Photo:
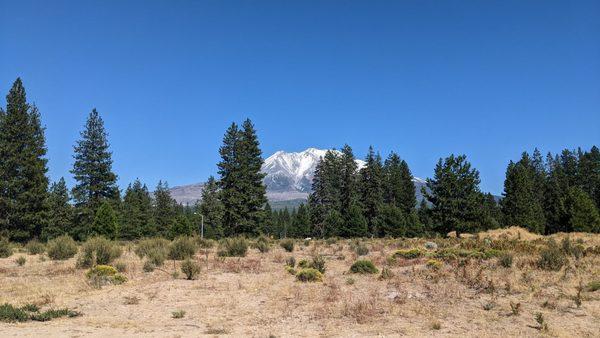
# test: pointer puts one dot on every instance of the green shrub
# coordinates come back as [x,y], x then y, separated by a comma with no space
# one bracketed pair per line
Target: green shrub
[105,274]
[309,275]
[290,270]
[593,286]
[190,269]
[262,244]
[61,248]
[204,243]
[21,260]
[98,251]
[233,247]
[363,266]
[182,248]
[154,249]
[6,249]
[506,260]
[290,261]
[408,254]
[552,257]
[434,264]
[287,245]
[303,264]
[178,314]
[318,263]
[35,247]
[11,314]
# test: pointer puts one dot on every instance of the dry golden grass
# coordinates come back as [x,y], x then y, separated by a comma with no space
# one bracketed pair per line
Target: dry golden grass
[256,296]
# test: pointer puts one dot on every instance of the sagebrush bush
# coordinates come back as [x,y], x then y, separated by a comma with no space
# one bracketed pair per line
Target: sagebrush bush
[309,275]
[21,260]
[190,269]
[98,251]
[182,248]
[154,249]
[5,248]
[506,260]
[361,249]
[363,266]
[408,254]
[61,248]
[552,257]
[318,263]
[434,264]
[204,243]
[148,266]
[303,263]
[290,261]
[287,244]
[34,247]
[233,247]
[101,275]
[262,244]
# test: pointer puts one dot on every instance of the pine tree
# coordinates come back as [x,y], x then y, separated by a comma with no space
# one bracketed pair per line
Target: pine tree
[424,214]
[243,193]
[392,221]
[96,182]
[137,213]
[589,169]
[300,223]
[582,212]
[355,224]
[60,216]
[454,195]
[105,222]
[164,209]
[555,194]
[326,194]
[520,204]
[23,167]
[371,189]
[212,209]
[182,226]
[399,187]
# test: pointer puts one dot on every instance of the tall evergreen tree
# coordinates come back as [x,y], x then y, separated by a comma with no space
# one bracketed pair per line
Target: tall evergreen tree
[582,212]
[92,169]
[326,195]
[355,224]
[60,216]
[23,167]
[300,227]
[106,222]
[212,209]
[399,187]
[454,195]
[555,194]
[520,205]
[164,209]
[589,169]
[243,193]
[371,189]
[137,213]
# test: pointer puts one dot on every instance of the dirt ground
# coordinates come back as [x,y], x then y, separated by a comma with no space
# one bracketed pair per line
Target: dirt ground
[255,296]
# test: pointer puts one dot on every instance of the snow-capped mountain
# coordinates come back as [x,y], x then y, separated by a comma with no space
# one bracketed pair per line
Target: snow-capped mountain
[288,177]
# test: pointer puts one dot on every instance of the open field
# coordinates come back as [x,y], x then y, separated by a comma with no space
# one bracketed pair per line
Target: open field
[257,296]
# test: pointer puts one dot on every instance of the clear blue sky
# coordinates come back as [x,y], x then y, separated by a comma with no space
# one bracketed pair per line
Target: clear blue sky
[424,78]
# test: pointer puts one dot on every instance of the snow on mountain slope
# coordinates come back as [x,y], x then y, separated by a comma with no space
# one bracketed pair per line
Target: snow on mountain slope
[289,176]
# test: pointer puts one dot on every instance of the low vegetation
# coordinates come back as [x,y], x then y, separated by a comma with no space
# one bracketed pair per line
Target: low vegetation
[363,266]
[233,247]
[61,248]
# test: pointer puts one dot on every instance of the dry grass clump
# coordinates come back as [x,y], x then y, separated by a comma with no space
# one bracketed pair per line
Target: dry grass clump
[98,251]
[61,248]
[35,247]
[287,244]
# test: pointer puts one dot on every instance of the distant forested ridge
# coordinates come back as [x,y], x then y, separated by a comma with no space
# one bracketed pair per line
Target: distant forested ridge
[545,194]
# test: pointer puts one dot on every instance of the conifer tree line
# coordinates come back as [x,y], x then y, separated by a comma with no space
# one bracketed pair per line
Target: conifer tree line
[558,193]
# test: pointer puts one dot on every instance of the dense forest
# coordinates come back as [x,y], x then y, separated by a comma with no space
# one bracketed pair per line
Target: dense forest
[557,193]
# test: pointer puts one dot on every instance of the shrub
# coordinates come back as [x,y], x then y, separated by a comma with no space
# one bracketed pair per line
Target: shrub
[318,263]
[303,264]
[98,251]
[386,273]
[10,313]
[290,270]
[360,248]
[182,248]
[121,266]
[262,244]
[233,247]
[409,254]
[593,286]
[287,244]
[290,261]
[148,266]
[34,247]
[309,275]
[5,248]
[506,260]
[21,260]
[61,248]
[551,257]
[205,243]
[105,274]
[154,249]
[363,266]
[178,314]
[190,269]
[434,264]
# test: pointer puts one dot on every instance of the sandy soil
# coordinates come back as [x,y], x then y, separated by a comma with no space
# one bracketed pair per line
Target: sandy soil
[255,296]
